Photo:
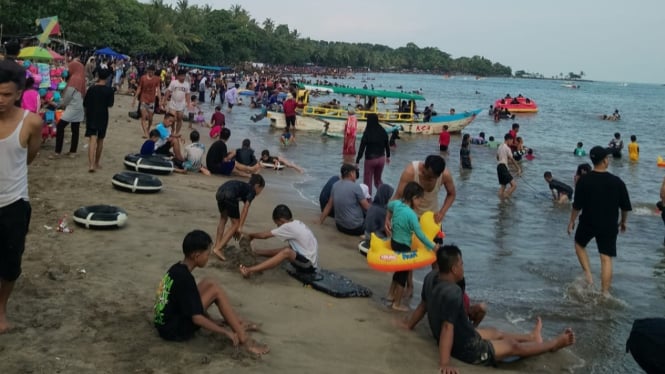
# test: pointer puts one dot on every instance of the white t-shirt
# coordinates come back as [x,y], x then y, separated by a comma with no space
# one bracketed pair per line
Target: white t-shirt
[179,93]
[504,153]
[231,96]
[194,154]
[300,239]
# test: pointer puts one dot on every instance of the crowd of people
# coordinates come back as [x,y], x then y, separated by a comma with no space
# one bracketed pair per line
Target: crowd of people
[599,199]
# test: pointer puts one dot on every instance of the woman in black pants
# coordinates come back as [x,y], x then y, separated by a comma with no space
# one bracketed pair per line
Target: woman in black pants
[72,100]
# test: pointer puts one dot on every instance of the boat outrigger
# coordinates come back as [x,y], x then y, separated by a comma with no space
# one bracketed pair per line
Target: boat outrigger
[329,118]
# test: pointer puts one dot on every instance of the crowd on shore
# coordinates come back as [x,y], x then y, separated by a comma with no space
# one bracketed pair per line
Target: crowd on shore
[181,304]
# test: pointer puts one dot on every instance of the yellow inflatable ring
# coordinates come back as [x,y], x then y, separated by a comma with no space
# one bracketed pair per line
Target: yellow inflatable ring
[381,257]
[660,162]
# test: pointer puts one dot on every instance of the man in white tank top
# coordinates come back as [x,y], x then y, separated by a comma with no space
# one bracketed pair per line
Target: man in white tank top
[20,139]
[431,175]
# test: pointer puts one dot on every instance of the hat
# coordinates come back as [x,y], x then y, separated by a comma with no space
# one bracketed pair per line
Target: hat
[346,169]
[351,111]
[365,189]
[597,154]
[289,96]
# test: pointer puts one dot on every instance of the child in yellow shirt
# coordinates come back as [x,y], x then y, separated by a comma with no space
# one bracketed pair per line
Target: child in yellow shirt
[633,149]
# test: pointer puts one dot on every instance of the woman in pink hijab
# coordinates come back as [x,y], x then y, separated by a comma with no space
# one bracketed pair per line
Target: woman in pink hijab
[72,101]
[350,129]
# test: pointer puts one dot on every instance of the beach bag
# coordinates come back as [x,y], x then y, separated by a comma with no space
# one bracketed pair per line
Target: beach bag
[647,344]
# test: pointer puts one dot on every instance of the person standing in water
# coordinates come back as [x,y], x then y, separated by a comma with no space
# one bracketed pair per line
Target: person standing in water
[599,196]
[350,129]
[504,155]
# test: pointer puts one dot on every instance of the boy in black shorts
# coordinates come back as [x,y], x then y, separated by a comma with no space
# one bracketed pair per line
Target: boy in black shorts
[228,198]
[97,102]
[181,304]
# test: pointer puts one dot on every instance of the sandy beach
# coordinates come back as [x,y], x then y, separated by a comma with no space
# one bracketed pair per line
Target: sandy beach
[84,301]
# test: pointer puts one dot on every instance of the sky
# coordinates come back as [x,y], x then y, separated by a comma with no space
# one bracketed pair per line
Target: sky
[611,40]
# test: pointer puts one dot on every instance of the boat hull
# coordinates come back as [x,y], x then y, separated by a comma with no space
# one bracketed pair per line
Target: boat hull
[456,123]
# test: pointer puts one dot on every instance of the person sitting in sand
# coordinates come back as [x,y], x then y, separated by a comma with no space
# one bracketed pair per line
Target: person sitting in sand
[561,192]
[266,158]
[228,197]
[193,155]
[403,224]
[148,147]
[167,141]
[301,251]
[349,202]
[181,303]
[245,154]
[221,162]
[375,220]
[442,302]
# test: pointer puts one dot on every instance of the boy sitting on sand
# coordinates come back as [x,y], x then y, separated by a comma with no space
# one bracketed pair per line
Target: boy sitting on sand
[442,302]
[194,155]
[148,147]
[181,304]
[302,249]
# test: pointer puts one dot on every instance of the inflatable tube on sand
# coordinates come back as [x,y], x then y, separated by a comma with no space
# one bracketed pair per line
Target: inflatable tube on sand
[381,256]
[131,181]
[148,164]
[100,217]
[270,165]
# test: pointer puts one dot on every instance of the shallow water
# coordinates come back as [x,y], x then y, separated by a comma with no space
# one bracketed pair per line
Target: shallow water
[518,256]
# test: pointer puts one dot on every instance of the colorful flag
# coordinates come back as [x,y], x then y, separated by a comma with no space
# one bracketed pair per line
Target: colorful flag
[50,26]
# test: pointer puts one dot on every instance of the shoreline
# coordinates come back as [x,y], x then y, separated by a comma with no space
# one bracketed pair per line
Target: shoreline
[93,291]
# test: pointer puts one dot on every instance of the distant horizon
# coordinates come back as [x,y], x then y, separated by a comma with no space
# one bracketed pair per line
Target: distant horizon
[566,36]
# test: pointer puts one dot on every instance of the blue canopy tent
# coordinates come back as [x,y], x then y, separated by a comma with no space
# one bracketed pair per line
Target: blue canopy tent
[110,53]
[204,67]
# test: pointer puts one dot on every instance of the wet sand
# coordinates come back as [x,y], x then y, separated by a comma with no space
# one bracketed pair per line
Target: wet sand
[84,301]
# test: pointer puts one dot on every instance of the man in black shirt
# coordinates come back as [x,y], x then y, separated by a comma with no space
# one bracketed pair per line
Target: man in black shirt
[442,301]
[599,196]
[561,192]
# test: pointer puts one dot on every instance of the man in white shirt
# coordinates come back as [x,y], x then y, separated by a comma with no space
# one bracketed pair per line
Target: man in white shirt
[503,156]
[178,98]
[231,96]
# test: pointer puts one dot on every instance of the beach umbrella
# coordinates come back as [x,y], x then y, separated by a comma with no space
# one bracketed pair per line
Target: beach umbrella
[55,55]
[35,53]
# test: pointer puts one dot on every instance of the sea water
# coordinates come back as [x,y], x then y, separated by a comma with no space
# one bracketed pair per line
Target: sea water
[518,256]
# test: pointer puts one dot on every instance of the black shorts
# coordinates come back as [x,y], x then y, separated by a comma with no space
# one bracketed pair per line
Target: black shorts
[504,175]
[477,352]
[229,207]
[290,121]
[605,240]
[303,265]
[14,224]
[229,105]
[164,149]
[224,168]
[183,329]
[353,232]
[443,148]
[94,130]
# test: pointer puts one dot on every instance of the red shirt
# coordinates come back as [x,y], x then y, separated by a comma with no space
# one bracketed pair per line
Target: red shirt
[444,138]
[289,107]
[149,88]
[218,119]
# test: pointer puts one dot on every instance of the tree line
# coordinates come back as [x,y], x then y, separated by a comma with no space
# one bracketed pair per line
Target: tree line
[203,35]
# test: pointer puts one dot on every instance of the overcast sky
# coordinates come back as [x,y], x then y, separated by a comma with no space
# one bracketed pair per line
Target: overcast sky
[609,40]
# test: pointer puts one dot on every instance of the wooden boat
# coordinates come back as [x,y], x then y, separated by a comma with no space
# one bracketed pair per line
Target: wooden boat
[330,119]
[517,104]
